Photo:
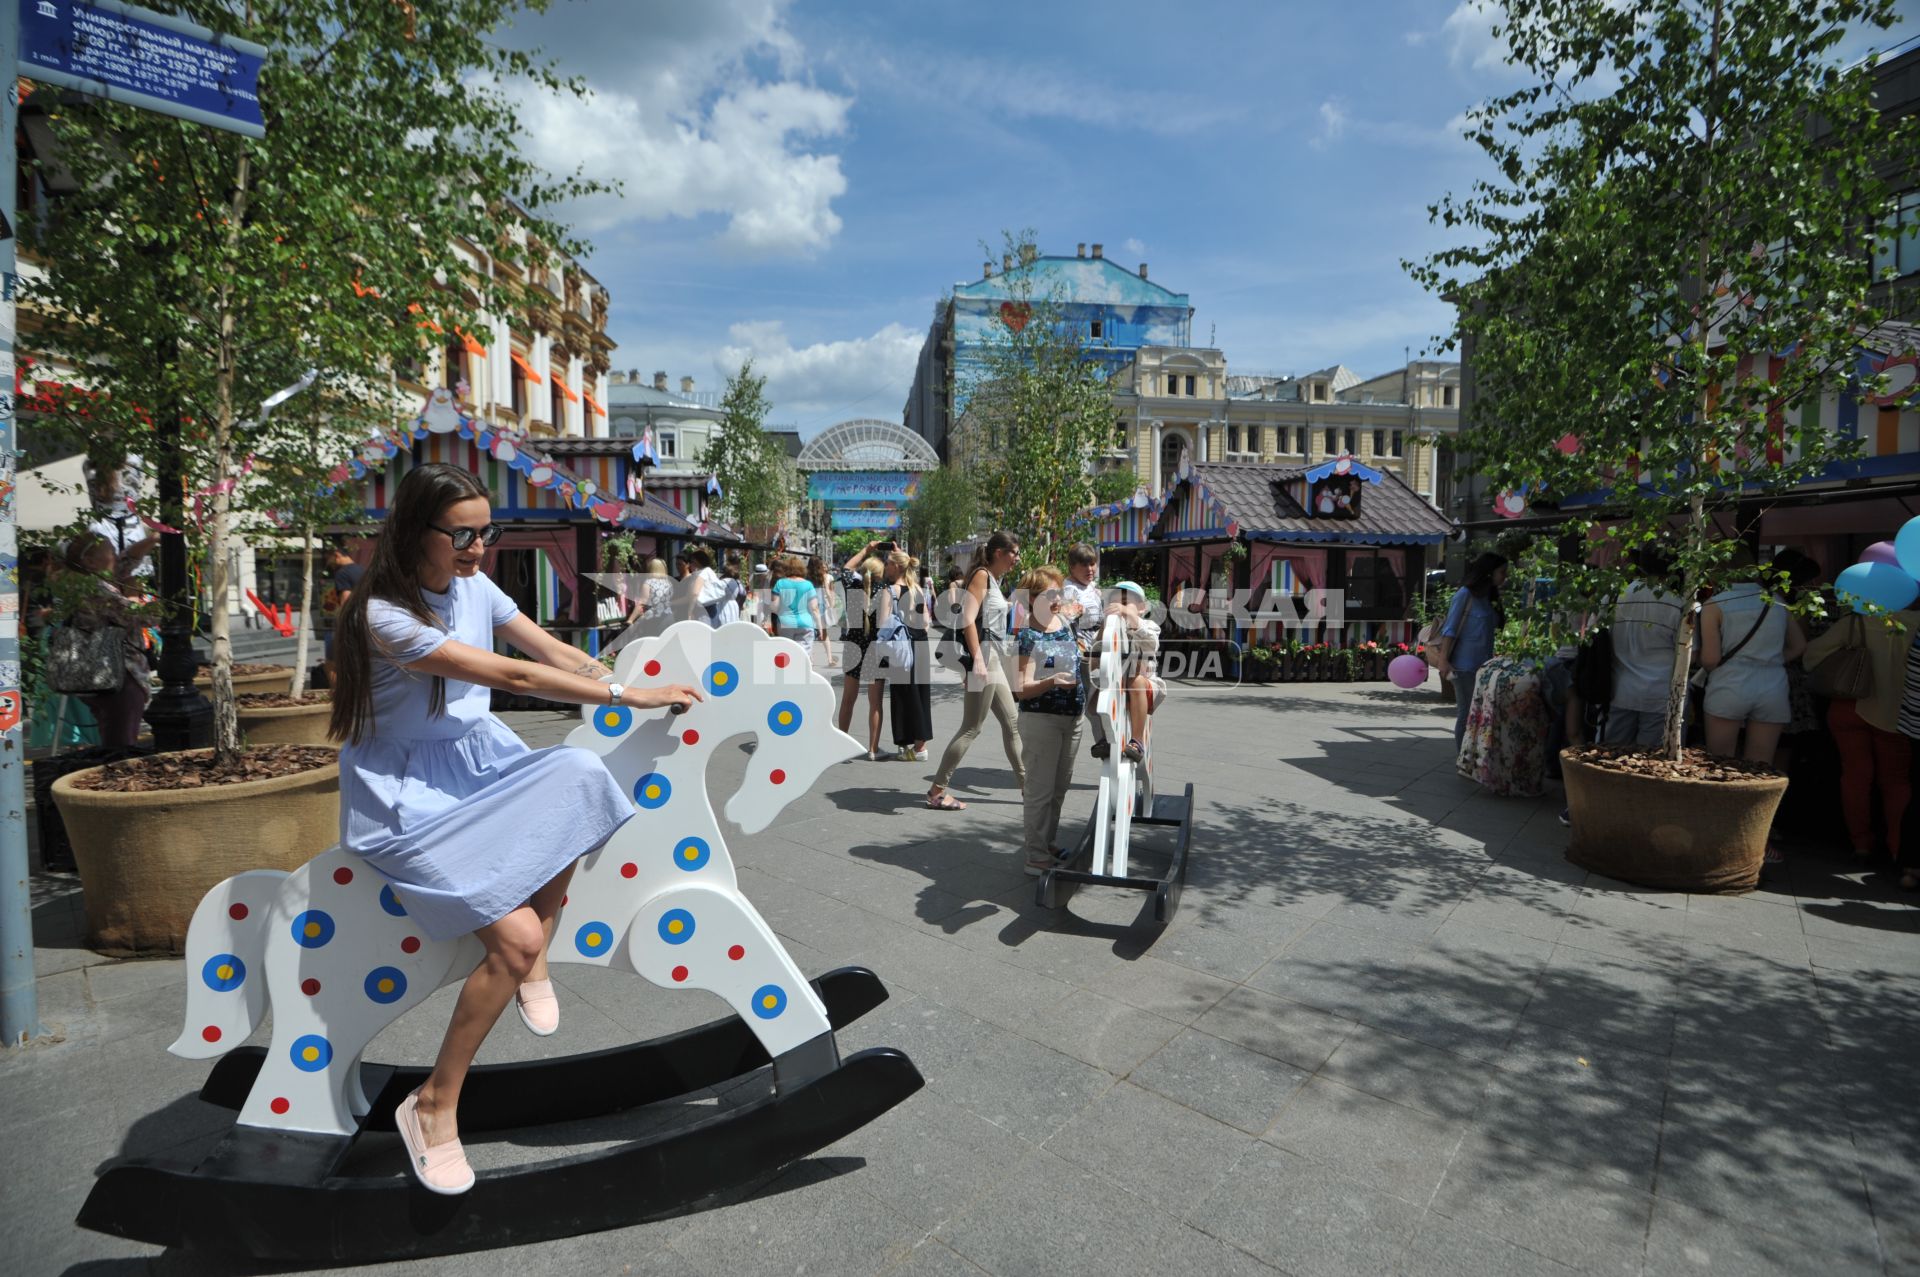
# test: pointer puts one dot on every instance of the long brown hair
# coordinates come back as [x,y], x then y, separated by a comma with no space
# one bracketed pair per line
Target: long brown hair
[983,556]
[393,574]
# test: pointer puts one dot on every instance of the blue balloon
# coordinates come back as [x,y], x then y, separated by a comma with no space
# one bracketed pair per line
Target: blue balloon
[1906,547]
[1878,584]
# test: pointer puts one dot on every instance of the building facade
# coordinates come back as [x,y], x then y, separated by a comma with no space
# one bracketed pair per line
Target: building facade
[543,371]
[1179,406]
[682,423]
[1112,311]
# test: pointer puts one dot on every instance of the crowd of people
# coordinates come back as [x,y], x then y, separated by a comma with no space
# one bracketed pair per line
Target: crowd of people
[1020,646]
[1772,678]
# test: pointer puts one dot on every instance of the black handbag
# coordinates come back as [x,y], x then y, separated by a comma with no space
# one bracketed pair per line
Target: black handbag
[86,662]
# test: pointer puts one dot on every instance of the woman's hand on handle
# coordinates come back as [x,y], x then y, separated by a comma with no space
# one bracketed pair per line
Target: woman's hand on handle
[676,696]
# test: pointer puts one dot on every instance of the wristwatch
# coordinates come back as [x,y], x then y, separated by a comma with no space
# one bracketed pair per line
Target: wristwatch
[614,692]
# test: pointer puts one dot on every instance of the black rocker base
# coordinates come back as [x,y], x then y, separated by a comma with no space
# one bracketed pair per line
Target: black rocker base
[272,1196]
[500,1097]
[1056,886]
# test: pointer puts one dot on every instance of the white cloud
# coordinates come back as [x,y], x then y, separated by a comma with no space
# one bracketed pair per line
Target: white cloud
[1333,124]
[696,123]
[1470,39]
[1135,248]
[818,385]
[1004,88]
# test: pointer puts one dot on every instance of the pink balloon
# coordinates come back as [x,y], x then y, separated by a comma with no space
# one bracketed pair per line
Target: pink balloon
[1408,671]
[1880,552]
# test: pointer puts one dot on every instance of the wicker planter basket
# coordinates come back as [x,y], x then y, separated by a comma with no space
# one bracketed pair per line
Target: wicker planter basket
[145,859]
[1707,837]
[286,724]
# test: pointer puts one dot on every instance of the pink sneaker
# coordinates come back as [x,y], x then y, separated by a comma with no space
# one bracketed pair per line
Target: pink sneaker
[441,1169]
[539,1009]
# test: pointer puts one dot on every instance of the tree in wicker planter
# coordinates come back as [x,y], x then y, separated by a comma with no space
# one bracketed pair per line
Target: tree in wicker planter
[239,265]
[1673,244]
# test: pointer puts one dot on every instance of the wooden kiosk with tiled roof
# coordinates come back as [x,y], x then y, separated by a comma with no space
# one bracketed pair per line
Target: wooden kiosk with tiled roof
[1301,531]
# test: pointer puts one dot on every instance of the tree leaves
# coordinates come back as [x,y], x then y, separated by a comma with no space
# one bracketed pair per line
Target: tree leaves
[1666,145]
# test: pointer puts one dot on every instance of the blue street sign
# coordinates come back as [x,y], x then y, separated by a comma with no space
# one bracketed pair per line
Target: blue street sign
[145,59]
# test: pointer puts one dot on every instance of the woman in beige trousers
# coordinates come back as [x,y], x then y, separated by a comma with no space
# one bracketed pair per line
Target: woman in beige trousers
[989,667]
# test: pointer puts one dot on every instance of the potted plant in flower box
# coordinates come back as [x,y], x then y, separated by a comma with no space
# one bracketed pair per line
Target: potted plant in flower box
[1698,310]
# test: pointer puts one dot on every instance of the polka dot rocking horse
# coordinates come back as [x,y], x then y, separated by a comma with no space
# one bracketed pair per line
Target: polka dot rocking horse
[331,950]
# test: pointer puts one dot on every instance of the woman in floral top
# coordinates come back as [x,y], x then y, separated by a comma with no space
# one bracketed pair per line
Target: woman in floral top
[1048,689]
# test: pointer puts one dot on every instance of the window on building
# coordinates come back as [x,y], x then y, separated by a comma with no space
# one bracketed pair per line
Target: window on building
[1897,248]
[522,402]
[1189,386]
[1119,436]
[1097,329]
[1351,442]
[626,428]
[1446,396]
[1332,441]
[667,444]
[1253,439]
[1233,438]
[453,364]
[1173,454]
[1399,443]
[557,405]
[1372,582]
[1379,443]
[1173,384]
[1319,392]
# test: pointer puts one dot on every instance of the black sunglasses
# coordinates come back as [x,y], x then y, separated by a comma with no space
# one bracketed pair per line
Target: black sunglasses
[464,537]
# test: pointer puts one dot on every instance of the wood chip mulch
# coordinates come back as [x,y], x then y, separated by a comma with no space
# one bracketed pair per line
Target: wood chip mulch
[1694,764]
[280,700]
[246,669]
[198,770]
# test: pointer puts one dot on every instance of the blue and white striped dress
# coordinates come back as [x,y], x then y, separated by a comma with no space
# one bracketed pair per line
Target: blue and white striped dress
[454,809]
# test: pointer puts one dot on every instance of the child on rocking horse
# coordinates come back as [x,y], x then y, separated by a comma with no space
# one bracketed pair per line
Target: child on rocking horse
[1144,689]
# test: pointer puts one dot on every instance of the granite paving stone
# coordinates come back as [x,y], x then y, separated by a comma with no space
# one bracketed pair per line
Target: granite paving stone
[1575,1216]
[1164,1152]
[1287,1031]
[1390,1030]
[1242,1088]
[1300,1217]
[1368,1140]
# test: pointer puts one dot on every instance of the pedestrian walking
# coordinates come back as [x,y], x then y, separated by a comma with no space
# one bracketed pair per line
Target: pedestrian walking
[988,662]
[1866,729]
[477,833]
[1466,639]
[860,666]
[1080,590]
[655,599]
[107,605]
[910,699]
[1047,686]
[798,615]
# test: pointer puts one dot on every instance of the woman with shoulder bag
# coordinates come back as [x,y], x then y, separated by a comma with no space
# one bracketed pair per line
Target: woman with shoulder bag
[1860,665]
[108,610]
[988,660]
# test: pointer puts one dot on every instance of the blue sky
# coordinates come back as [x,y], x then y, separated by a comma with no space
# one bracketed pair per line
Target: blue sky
[803,179]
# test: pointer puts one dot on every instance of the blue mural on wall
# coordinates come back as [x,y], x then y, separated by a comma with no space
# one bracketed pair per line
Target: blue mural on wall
[1110,310]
